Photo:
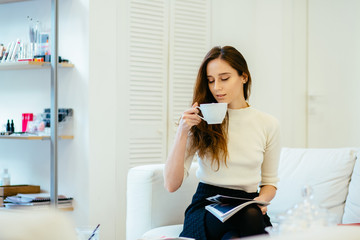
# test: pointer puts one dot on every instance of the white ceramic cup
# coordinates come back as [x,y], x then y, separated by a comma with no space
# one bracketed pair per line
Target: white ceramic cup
[214,113]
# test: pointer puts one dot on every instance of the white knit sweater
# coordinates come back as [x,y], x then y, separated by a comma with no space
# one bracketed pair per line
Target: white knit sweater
[254,148]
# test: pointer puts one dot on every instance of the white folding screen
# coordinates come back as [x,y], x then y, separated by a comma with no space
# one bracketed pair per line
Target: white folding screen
[148,58]
[167,41]
[189,42]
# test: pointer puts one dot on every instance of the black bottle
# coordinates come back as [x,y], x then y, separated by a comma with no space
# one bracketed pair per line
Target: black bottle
[12,128]
[8,128]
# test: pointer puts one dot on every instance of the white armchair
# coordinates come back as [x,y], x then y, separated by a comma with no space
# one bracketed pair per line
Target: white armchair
[151,209]
[154,212]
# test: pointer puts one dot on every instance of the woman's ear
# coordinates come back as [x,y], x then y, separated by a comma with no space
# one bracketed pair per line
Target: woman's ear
[245,77]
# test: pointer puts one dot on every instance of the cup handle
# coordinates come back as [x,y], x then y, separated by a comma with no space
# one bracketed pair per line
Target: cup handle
[199,115]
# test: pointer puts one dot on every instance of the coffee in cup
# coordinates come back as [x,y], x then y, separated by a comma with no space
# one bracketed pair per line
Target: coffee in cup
[213,113]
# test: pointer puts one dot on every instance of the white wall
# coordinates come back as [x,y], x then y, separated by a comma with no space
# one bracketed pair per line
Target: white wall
[267,33]
[107,124]
[73,158]
[303,56]
[334,57]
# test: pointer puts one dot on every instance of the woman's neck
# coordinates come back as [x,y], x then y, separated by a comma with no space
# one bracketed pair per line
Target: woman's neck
[242,104]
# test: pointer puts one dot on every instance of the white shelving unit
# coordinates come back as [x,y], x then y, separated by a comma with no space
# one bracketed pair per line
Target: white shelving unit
[54,65]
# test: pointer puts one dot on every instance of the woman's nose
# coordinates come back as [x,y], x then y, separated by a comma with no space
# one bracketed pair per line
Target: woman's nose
[218,85]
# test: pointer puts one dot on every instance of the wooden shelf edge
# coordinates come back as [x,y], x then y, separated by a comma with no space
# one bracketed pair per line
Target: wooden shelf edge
[27,137]
[31,65]
[39,207]
[66,65]
[67,137]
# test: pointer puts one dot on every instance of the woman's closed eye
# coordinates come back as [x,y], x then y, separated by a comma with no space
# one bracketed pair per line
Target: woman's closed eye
[211,80]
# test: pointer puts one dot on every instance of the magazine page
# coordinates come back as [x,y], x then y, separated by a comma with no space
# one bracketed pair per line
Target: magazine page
[225,206]
[233,200]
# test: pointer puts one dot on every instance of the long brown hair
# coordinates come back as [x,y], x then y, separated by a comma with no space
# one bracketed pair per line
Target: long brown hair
[211,140]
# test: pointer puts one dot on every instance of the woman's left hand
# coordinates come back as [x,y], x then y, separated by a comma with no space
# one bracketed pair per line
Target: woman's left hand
[266,194]
[262,208]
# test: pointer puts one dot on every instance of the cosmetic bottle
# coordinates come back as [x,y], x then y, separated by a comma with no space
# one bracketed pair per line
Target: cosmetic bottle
[1,50]
[5,177]
[8,128]
[12,128]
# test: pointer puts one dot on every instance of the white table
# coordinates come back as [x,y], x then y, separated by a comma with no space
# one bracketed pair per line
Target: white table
[321,233]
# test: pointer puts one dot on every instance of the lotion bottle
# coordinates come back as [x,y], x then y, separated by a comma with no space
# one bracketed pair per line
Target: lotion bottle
[5,177]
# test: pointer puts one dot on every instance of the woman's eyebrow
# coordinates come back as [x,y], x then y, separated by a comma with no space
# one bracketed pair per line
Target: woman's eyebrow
[220,74]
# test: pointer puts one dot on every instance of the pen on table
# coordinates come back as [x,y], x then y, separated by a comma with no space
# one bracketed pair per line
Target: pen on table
[93,233]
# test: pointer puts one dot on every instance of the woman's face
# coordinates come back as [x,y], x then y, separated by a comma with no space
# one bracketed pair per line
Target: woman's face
[225,84]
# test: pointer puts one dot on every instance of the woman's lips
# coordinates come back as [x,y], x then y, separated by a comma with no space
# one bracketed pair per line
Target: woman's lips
[220,96]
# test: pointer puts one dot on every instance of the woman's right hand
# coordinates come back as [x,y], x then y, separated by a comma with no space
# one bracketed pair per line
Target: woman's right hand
[190,118]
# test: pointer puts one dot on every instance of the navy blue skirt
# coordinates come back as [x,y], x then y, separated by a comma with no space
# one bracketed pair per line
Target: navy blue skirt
[194,223]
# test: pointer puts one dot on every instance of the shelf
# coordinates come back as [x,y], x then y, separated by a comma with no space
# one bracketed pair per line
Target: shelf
[39,207]
[53,93]
[11,1]
[31,65]
[34,137]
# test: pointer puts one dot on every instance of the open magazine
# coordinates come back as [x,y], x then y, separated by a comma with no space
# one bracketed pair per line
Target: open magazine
[224,206]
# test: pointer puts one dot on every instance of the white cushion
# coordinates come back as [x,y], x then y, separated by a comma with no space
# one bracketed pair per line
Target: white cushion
[161,232]
[352,205]
[327,171]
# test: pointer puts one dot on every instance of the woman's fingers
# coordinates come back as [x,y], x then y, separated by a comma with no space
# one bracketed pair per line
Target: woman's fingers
[190,120]
[192,110]
[192,113]
[190,117]
[263,209]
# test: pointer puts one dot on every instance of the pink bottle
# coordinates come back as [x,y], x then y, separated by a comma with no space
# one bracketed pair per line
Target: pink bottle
[26,117]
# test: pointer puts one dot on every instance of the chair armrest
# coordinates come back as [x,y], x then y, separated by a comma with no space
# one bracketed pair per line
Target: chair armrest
[150,205]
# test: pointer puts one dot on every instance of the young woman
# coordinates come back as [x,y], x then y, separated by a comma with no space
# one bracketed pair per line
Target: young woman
[236,158]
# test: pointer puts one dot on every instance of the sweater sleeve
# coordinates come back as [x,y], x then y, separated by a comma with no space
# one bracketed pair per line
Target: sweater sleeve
[269,167]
